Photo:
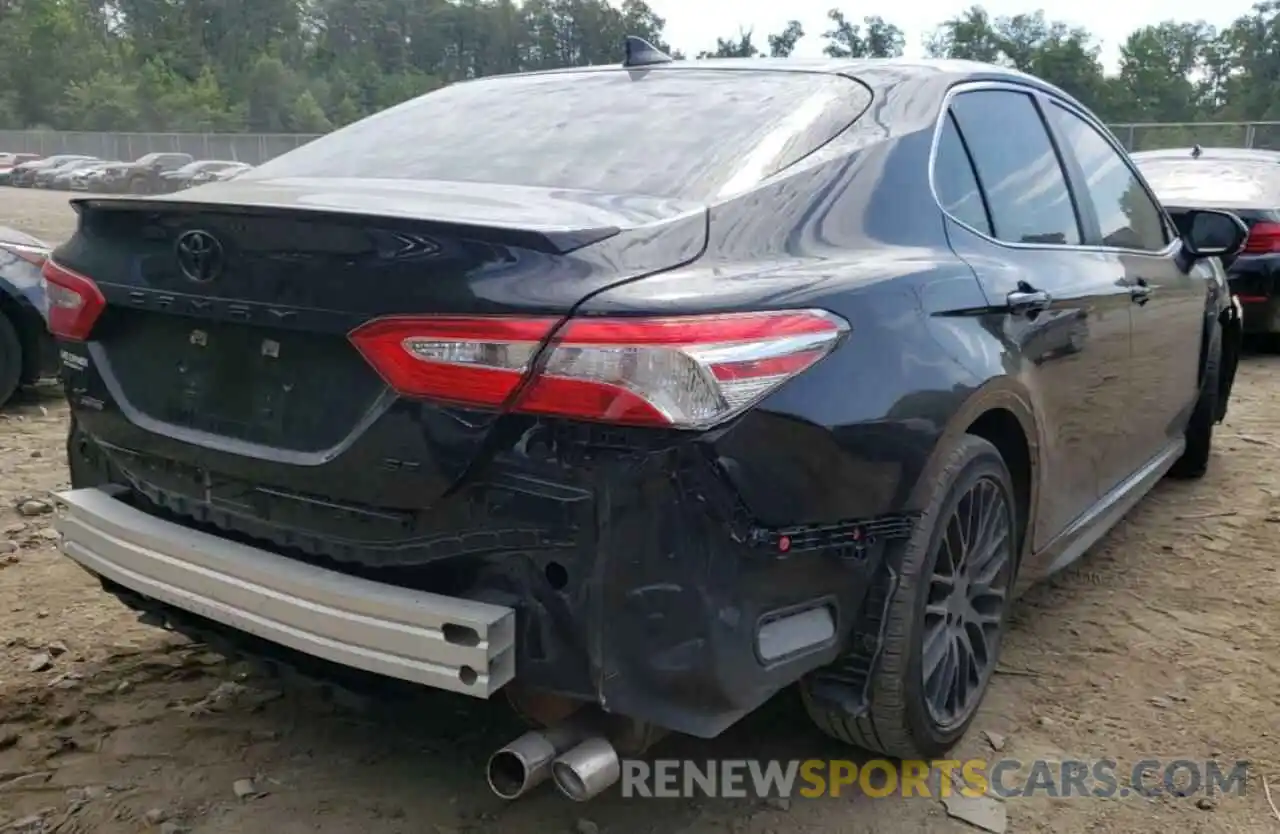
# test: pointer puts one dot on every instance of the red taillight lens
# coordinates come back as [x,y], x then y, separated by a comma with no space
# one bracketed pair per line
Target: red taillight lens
[683,372]
[75,302]
[34,255]
[1264,237]
[468,361]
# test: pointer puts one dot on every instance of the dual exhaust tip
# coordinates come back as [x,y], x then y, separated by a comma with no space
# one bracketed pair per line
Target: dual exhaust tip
[583,766]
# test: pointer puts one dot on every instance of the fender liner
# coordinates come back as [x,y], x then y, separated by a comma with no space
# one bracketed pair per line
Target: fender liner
[1232,345]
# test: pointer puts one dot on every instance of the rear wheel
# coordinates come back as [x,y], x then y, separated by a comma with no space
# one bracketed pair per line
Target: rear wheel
[10,359]
[945,623]
[138,185]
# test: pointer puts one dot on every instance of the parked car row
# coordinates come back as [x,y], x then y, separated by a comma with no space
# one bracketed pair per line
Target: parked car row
[155,173]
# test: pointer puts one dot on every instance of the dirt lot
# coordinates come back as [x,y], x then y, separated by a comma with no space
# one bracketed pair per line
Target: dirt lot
[1162,643]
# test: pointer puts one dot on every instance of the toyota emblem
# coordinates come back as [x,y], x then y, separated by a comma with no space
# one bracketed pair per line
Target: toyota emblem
[199,256]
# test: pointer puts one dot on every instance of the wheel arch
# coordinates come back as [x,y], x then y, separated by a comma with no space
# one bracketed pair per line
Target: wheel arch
[1000,412]
[1232,339]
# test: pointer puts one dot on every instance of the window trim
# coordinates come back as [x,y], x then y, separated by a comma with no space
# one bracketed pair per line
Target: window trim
[1075,171]
[1077,213]
[1040,98]
[949,119]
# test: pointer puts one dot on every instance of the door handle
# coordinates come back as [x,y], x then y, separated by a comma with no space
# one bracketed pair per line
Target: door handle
[1028,299]
[1141,291]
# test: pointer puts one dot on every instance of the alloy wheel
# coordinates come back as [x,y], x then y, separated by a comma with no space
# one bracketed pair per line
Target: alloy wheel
[968,593]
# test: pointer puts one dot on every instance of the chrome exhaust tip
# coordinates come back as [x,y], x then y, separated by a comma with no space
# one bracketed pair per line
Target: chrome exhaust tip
[588,770]
[526,762]
[520,766]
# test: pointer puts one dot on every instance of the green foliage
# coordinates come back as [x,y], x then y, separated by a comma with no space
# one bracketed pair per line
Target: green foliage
[307,66]
[847,40]
[784,43]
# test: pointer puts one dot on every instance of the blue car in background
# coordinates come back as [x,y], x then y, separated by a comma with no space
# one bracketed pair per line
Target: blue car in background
[27,351]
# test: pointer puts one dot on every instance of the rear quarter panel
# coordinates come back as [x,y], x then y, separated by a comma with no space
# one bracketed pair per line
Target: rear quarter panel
[858,234]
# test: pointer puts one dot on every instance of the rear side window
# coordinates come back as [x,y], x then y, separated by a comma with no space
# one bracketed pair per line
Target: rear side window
[1127,216]
[675,133]
[1019,170]
[954,180]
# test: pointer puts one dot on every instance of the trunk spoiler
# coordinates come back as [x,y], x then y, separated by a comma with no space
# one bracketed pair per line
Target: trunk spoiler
[556,221]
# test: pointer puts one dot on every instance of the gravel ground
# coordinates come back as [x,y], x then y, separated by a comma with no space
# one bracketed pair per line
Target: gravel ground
[1160,644]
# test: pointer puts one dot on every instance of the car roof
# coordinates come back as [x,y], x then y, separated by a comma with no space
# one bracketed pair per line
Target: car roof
[1236,181]
[1208,153]
[879,74]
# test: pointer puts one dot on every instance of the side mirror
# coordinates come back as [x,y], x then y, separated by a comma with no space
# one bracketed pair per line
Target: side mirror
[1213,234]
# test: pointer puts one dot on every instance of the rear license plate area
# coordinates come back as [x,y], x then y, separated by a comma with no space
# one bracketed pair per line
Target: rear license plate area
[231,381]
[289,389]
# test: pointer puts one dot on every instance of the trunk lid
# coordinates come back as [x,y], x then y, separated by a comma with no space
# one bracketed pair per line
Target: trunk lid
[245,360]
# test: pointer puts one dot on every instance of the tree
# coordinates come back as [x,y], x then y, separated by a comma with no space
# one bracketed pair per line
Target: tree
[286,65]
[1157,69]
[1051,50]
[970,36]
[782,44]
[1251,47]
[739,47]
[846,40]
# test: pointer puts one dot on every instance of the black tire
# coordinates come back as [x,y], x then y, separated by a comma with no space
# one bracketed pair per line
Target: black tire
[1199,434]
[1232,346]
[138,185]
[899,722]
[11,361]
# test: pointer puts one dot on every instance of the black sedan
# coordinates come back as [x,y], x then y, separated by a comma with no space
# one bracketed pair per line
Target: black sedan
[1246,183]
[661,386]
[27,351]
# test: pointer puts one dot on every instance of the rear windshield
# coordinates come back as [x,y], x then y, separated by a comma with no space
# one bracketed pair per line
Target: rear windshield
[1213,182]
[682,133]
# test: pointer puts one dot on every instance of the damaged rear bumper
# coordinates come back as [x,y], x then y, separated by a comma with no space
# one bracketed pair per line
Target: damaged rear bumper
[459,645]
[637,578]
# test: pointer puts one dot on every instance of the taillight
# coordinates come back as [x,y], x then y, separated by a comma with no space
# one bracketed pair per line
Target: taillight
[682,372]
[34,255]
[468,361]
[75,302]
[1264,237]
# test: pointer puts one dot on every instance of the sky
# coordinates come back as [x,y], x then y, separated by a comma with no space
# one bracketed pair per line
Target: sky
[694,25]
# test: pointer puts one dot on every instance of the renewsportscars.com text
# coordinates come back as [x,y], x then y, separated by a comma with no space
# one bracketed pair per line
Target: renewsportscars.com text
[1008,778]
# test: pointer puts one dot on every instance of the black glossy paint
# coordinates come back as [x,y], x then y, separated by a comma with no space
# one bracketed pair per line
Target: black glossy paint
[641,561]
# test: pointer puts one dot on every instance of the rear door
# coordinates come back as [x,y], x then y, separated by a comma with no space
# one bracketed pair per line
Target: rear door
[1068,308]
[1141,248]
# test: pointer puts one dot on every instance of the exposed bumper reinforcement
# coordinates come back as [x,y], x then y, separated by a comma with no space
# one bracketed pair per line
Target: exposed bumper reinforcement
[455,644]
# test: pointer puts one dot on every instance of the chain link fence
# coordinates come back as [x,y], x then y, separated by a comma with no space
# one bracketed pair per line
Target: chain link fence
[253,148]
[256,148]
[1154,137]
